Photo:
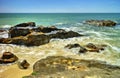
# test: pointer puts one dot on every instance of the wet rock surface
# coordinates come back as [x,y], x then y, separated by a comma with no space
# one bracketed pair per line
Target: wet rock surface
[8,57]
[65,67]
[100,22]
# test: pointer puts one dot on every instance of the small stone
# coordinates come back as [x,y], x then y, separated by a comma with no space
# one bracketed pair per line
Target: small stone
[8,57]
[24,64]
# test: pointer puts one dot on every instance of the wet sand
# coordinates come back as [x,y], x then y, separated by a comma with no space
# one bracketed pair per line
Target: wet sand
[12,71]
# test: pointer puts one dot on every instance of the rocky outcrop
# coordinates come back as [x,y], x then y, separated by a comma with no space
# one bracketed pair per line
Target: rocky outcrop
[101,22]
[15,32]
[29,24]
[36,40]
[95,48]
[65,67]
[24,64]
[63,34]
[90,47]
[30,40]
[23,34]
[8,57]
[45,29]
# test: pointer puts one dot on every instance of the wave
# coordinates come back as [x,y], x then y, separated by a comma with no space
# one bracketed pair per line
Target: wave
[5,26]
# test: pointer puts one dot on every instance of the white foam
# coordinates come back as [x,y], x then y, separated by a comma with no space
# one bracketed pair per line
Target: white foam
[6,26]
[58,23]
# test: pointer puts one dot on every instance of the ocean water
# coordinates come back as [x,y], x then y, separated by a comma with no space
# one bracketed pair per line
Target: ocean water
[68,21]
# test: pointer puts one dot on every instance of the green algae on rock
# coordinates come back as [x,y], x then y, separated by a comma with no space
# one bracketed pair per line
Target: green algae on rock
[65,67]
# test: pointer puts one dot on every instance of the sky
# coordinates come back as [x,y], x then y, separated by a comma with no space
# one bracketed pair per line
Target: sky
[59,6]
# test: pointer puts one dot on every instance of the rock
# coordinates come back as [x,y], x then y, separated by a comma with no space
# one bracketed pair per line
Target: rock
[24,64]
[101,22]
[95,48]
[46,29]
[63,34]
[72,46]
[23,31]
[91,45]
[31,36]
[30,40]
[65,67]
[8,57]
[36,40]
[29,24]
[82,50]
[15,32]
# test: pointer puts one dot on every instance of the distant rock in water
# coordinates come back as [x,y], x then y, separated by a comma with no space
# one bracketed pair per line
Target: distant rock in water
[8,57]
[29,24]
[100,22]
[65,67]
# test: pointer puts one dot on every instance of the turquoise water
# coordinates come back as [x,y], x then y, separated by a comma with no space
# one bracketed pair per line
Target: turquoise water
[70,21]
[53,18]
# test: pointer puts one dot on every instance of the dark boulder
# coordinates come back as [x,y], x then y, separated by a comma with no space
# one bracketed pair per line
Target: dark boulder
[15,32]
[31,40]
[29,24]
[64,34]
[45,29]
[8,57]
[24,64]
[36,40]
[101,22]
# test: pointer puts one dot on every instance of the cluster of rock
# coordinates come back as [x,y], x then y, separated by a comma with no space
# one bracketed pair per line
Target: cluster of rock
[100,22]
[90,47]
[9,57]
[30,35]
[65,67]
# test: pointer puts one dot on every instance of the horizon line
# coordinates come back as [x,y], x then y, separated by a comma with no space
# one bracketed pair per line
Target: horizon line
[59,12]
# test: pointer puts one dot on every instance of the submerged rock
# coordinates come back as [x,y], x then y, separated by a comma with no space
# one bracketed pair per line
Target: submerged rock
[24,64]
[95,48]
[72,46]
[65,67]
[82,50]
[8,57]
[101,22]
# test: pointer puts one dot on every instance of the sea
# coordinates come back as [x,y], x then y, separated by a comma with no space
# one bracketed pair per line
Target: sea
[109,36]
